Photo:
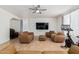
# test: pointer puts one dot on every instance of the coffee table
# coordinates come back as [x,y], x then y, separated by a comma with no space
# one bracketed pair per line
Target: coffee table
[42,38]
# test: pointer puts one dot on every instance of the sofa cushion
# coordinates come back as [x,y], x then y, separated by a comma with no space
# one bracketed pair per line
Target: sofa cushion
[60,33]
[47,34]
[59,38]
[53,36]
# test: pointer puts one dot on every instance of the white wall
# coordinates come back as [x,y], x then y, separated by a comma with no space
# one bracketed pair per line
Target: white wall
[29,24]
[4,25]
[59,23]
[32,25]
[25,26]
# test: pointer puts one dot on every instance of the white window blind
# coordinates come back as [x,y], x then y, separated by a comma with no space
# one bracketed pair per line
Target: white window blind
[66,19]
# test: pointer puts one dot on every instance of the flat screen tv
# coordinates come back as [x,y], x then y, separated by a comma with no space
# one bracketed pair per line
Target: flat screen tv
[41,26]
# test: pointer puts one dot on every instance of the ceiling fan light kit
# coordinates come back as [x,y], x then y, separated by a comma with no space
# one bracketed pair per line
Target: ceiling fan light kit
[36,9]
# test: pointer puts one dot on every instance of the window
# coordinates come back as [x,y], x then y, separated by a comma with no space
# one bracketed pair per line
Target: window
[66,19]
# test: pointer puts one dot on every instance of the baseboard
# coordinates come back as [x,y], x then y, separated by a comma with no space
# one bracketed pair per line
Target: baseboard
[4,42]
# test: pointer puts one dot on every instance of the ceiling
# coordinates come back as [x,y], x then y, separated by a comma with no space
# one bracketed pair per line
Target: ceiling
[23,11]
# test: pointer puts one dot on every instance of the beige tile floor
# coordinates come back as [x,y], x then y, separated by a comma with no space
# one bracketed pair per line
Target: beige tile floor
[37,45]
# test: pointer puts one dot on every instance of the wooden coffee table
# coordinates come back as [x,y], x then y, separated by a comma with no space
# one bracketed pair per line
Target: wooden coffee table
[42,38]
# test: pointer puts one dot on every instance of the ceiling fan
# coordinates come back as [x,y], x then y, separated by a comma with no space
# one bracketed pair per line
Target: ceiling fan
[37,9]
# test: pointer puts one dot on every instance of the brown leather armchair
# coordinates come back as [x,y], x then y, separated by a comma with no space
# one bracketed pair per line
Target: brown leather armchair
[58,37]
[26,37]
[60,33]
[48,34]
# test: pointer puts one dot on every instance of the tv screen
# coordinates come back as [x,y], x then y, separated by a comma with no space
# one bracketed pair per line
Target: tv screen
[42,26]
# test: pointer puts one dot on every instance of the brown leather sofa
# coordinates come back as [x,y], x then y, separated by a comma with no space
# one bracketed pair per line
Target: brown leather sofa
[74,49]
[48,34]
[58,37]
[26,37]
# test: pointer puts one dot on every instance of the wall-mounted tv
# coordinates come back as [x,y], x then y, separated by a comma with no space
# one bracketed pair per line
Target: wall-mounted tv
[41,26]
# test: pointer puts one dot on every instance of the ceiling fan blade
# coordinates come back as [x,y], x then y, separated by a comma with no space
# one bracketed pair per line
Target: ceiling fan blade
[34,12]
[38,6]
[37,9]
[40,12]
[42,9]
[31,8]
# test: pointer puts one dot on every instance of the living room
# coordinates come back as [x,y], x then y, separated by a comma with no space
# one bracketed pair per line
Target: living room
[40,21]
